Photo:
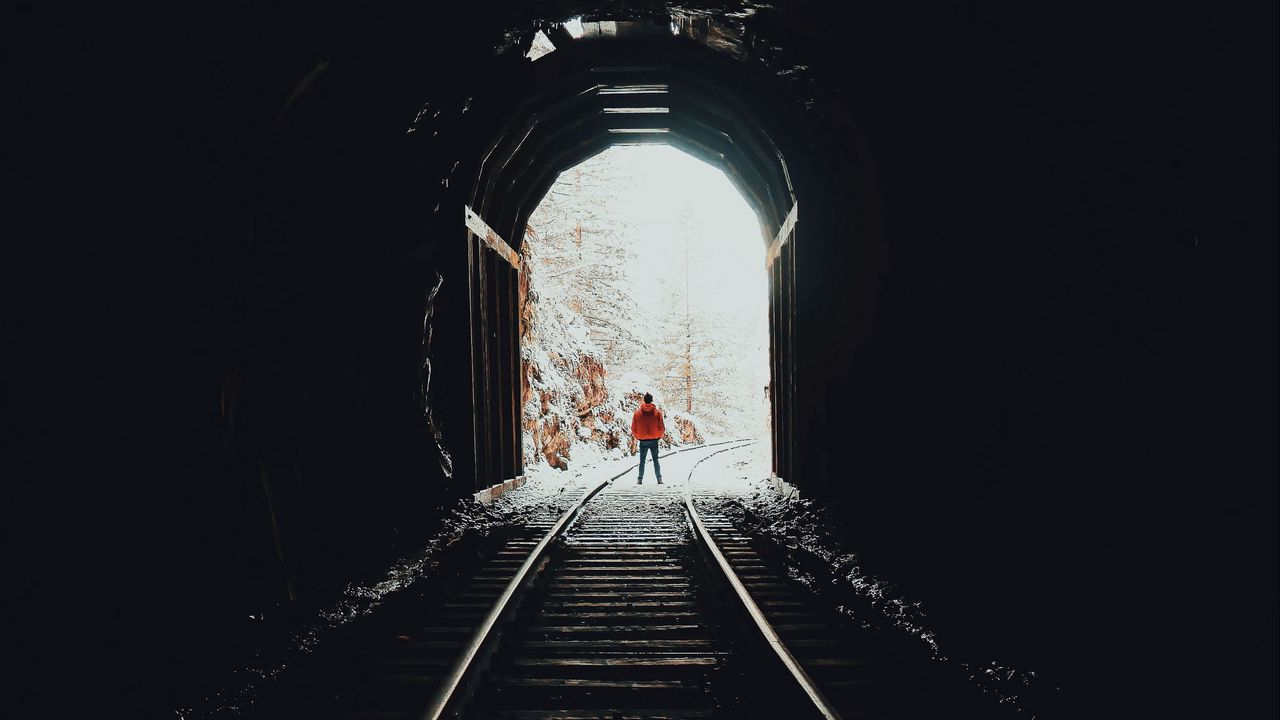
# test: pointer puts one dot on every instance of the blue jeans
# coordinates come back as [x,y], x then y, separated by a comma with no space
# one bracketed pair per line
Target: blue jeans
[650,446]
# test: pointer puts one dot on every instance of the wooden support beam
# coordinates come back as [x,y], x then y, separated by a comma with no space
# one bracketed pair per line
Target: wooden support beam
[784,234]
[491,238]
[489,494]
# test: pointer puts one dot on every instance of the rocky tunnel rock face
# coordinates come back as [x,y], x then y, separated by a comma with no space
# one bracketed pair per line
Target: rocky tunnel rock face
[564,392]
[1036,342]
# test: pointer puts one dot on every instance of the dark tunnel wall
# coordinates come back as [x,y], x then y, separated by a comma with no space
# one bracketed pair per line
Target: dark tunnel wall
[1037,349]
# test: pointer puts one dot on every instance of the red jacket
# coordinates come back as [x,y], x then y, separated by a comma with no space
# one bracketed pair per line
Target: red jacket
[646,423]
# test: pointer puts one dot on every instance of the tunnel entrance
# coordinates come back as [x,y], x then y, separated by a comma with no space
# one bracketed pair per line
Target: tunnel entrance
[642,270]
[591,94]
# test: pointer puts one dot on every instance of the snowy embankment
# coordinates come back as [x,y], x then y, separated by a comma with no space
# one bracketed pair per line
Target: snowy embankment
[736,484]
[572,408]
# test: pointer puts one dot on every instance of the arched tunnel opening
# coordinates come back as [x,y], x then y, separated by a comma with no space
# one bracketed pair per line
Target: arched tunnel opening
[261,331]
[641,82]
[642,271]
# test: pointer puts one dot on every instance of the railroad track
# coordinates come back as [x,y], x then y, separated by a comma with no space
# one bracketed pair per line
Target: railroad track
[635,606]
[631,604]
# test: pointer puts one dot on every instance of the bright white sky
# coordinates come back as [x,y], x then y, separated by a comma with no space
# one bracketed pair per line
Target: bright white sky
[643,201]
[671,183]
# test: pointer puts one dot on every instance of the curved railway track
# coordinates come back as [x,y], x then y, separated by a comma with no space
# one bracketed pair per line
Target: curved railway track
[633,603]
[626,608]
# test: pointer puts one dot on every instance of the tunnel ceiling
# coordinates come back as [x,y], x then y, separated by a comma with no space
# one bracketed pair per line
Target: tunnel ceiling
[598,91]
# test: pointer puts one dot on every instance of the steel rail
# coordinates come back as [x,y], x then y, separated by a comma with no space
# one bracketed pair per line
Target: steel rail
[450,693]
[797,671]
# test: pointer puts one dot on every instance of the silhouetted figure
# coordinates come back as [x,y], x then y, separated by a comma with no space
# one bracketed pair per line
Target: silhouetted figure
[647,427]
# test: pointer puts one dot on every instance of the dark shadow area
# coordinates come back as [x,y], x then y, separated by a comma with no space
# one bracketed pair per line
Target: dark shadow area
[1035,343]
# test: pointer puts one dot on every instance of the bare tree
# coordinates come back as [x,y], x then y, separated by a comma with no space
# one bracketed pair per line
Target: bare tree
[669,332]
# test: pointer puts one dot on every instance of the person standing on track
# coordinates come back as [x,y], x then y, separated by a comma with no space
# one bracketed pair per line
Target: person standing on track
[647,427]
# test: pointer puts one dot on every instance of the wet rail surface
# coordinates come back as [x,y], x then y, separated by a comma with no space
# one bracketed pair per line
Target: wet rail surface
[622,622]
[625,610]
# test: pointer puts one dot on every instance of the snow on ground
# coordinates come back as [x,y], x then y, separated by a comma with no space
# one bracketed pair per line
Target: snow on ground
[733,478]
[286,638]
[735,469]
[549,492]
[730,478]
[735,482]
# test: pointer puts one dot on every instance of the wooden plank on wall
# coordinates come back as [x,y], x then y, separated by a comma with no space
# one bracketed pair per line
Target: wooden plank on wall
[495,242]
[784,233]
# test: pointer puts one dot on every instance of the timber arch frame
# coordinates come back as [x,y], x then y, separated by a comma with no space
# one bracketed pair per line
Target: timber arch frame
[592,94]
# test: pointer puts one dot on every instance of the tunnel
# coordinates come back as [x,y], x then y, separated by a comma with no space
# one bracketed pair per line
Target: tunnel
[640,84]
[261,327]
